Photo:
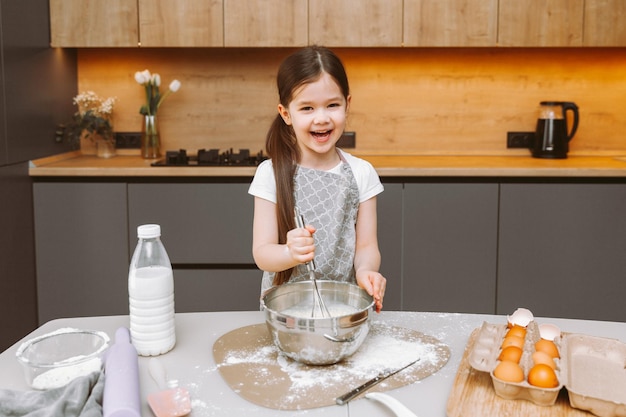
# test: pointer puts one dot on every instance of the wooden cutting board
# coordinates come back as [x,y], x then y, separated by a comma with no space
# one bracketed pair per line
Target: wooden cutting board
[473,395]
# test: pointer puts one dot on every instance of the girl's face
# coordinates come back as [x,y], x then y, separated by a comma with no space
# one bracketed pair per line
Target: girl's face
[317,114]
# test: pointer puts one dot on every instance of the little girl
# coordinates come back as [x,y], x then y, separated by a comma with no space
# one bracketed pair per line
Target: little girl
[333,190]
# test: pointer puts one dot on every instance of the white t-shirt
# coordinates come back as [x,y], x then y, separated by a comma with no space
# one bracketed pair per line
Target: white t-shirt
[264,185]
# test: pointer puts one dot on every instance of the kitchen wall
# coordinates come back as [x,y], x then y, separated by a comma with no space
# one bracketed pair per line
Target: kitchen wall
[423,101]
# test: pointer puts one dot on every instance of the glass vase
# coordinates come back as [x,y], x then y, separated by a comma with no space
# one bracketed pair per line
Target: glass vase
[150,140]
[105,147]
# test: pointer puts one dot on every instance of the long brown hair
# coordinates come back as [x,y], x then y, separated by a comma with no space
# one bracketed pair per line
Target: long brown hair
[302,67]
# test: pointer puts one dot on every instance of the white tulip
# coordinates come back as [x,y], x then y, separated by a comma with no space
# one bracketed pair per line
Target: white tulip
[139,77]
[174,86]
[156,80]
[146,75]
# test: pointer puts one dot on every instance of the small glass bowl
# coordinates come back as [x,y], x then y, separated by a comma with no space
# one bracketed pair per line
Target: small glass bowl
[54,359]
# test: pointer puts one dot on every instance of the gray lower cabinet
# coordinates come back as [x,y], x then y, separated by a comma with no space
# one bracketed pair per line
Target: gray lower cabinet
[563,250]
[205,229]
[450,247]
[558,249]
[200,223]
[389,211]
[217,290]
[81,243]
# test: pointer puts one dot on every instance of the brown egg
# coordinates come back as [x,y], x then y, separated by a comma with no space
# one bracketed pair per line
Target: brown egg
[543,357]
[513,341]
[509,372]
[511,353]
[516,330]
[543,376]
[548,347]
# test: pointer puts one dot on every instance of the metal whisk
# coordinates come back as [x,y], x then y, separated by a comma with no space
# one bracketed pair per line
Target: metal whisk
[318,301]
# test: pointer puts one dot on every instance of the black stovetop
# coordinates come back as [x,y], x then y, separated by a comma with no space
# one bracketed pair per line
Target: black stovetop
[211,157]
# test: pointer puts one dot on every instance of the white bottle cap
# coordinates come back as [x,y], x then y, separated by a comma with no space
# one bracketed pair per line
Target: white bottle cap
[148,231]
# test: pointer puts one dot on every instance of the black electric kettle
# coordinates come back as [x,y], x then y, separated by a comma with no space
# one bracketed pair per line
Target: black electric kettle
[551,137]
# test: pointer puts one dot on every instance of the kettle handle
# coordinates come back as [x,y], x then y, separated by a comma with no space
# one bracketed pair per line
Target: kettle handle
[568,105]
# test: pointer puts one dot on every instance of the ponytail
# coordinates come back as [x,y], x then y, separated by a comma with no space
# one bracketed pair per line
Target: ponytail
[282,148]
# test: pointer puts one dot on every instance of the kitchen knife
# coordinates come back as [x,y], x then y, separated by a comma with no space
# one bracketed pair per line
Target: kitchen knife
[369,384]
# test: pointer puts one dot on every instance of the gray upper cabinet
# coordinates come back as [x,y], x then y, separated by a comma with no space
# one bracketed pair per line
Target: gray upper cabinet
[563,250]
[450,247]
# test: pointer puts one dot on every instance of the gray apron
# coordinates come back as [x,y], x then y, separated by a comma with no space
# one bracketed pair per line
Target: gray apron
[330,203]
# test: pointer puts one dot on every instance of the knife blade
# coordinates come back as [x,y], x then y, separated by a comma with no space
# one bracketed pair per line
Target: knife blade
[369,384]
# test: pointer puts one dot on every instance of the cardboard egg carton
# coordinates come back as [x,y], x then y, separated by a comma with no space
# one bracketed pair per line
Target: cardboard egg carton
[592,369]
[595,368]
[484,357]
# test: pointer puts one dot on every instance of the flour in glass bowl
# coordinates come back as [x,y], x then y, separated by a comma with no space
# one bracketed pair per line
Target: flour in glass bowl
[59,377]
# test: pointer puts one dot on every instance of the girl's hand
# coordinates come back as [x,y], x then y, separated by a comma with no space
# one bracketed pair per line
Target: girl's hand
[374,283]
[300,244]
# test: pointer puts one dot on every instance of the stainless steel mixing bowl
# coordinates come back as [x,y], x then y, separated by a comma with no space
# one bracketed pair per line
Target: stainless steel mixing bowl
[317,340]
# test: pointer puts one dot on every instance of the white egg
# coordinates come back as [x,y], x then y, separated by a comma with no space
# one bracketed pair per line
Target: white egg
[549,331]
[521,317]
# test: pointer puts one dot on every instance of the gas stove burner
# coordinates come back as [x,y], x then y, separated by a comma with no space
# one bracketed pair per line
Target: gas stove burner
[212,157]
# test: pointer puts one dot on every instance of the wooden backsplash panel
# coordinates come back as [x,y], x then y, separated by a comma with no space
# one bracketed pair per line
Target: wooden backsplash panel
[405,101]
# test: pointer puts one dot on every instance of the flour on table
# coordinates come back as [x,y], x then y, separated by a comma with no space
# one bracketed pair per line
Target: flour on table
[386,348]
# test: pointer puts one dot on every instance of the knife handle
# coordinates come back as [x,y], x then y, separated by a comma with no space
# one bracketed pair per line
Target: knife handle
[358,390]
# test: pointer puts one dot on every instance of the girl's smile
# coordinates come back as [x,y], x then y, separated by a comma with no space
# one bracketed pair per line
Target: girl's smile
[317,113]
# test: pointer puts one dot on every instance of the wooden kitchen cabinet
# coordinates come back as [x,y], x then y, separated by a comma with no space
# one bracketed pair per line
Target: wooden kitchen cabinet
[81,241]
[93,23]
[181,23]
[265,23]
[450,241]
[455,23]
[544,23]
[363,23]
[562,250]
[604,23]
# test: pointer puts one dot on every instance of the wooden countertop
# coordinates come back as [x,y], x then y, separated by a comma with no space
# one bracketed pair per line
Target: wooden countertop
[73,164]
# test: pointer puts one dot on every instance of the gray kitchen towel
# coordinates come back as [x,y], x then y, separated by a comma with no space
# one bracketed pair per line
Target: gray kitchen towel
[81,397]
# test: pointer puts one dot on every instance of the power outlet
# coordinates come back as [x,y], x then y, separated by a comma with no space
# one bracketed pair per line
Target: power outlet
[347,140]
[128,140]
[520,139]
